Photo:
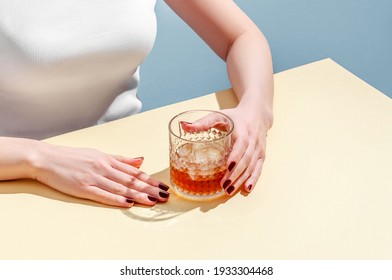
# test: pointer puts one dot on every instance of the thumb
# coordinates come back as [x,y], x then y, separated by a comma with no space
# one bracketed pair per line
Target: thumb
[205,123]
[135,162]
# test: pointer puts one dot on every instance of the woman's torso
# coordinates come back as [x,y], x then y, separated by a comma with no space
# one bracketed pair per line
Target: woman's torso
[66,65]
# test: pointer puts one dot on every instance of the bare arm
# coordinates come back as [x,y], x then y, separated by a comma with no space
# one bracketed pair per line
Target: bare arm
[234,38]
[17,158]
[85,173]
[237,40]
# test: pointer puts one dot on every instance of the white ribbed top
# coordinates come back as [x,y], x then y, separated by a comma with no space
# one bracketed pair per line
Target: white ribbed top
[66,65]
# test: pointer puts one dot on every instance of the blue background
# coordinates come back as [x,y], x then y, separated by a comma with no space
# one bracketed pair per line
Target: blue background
[357,34]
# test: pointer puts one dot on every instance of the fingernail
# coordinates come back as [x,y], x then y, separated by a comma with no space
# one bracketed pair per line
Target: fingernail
[231,166]
[164,194]
[151,198]
[250,187]
[230,189]
[139,158]
[163,187]
[186,122]
[129,201]
[226,184]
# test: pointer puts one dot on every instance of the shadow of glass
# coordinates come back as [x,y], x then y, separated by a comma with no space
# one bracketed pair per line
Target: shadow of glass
[173,208]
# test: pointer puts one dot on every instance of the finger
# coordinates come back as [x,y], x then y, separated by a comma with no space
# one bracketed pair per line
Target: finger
[249,169]
[136,162]
[107,198]
[160,193]
[205,123]
[252,180]
[241,172]
[237,153]
[130,170]
[121,190]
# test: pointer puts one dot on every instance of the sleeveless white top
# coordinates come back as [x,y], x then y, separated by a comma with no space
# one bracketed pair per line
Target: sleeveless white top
[66,65]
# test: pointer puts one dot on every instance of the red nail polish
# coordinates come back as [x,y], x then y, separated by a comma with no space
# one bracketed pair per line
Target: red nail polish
[139,158]
[226,184]
[250,187]
[151,198]
[230,189]
[129,201]
[163,187]
[231,166]
[164,194]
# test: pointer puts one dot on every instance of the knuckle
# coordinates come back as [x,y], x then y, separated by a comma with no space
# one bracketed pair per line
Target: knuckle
[116,189]
[241,142]
[247,173]
[245,141]
[100,164]
[262,155]
[136,172]
[255,174]
[248,156]
[260,151]
[130,181]
[83,179]
[236,173]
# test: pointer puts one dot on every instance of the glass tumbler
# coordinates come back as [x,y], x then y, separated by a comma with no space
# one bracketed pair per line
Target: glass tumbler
[200,142]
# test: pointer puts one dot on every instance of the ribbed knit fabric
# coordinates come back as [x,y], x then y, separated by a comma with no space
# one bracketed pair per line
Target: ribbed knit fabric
[66,65]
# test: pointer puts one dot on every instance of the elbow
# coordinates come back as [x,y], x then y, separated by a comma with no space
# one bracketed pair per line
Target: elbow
[248,35]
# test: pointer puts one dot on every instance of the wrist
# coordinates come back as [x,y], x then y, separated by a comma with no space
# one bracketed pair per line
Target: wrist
[35,159]
[258,109]
[19,158]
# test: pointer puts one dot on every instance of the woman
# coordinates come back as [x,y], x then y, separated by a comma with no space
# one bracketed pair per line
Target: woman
[72,64]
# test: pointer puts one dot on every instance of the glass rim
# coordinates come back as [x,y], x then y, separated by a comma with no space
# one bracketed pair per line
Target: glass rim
[200,110]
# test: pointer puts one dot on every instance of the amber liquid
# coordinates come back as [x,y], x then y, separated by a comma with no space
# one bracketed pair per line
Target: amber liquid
[198,185]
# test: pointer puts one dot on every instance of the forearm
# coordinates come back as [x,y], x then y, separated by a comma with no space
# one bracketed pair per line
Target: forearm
[249,66]
[17,158]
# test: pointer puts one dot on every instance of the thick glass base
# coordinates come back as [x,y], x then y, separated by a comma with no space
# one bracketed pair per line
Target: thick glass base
[195,196]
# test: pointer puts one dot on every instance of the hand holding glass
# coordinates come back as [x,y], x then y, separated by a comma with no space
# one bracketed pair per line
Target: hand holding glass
[200,142]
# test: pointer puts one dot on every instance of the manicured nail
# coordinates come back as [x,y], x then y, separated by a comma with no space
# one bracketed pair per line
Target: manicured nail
[226,184]
[163,187]
[164,194]
[151,198]
[250,187]
[231,166]
[230,189]
[139,158]
[129,201]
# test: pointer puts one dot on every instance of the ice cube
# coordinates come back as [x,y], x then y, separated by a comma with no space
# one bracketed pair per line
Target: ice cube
[200,153]
[214,153]
[184,150]
[193,170]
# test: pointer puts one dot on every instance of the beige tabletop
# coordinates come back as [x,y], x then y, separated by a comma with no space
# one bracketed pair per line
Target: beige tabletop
[325,191]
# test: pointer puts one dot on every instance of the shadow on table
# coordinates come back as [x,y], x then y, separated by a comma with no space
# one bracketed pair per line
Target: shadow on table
[159,212]
[226,99]
[175,207]
[29,186]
